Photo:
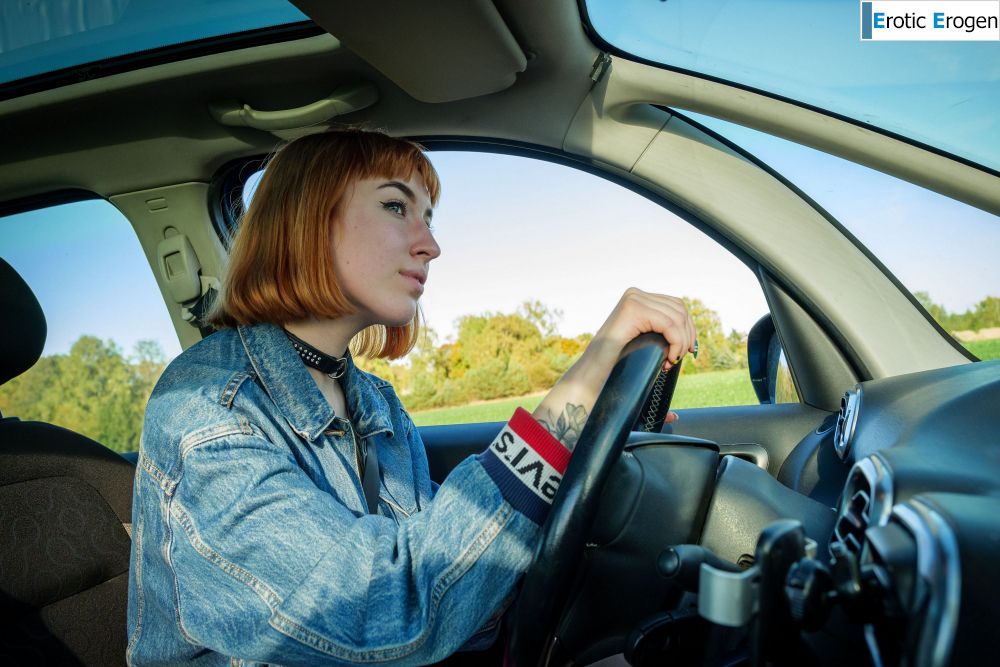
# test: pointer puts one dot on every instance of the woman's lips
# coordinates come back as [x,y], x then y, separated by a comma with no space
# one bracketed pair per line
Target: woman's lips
[415,279]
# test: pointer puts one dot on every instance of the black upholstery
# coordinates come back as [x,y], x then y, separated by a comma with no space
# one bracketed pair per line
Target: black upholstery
[22,336]
[64,503]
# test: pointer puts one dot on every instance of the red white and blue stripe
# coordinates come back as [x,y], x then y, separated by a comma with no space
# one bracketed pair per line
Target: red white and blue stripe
[527,463]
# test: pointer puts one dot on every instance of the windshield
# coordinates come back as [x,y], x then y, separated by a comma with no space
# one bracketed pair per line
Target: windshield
[41,37]
[939,249]
[943,94]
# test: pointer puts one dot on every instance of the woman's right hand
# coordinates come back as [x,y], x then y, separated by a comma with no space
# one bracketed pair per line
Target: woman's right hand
[565,409]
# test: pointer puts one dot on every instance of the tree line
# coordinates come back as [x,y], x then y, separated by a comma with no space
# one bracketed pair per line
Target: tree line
[498,355]
[984,315]
[95,389]
[99,390]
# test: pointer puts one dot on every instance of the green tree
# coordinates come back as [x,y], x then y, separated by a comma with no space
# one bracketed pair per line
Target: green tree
[28,396]
[711,340]
[935,310]
[495,355]
[94,390]
[495,350]
[394,372]
[544,318]
[983,315]
[427,372]
[986,313]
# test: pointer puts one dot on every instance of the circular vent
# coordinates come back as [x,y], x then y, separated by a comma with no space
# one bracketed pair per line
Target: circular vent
[847,421]
[866,502]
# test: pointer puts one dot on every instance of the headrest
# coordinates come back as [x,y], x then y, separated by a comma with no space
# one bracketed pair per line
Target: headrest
[22,335]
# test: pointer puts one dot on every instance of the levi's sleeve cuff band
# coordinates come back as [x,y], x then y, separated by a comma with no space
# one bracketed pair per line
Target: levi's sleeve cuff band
[526,462]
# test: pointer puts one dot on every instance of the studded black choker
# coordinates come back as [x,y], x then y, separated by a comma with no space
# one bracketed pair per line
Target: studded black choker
[321,361]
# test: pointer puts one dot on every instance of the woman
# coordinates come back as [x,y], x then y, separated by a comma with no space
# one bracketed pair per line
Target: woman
[253,540]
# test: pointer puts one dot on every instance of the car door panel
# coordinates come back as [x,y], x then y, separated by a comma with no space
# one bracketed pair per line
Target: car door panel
[776,428]
[449,445]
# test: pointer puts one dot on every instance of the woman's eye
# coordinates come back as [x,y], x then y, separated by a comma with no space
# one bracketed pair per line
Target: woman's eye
[397,207]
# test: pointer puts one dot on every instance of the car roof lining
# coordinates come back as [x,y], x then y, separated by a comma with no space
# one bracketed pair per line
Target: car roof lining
[123,115]
[89,135]
[150,130]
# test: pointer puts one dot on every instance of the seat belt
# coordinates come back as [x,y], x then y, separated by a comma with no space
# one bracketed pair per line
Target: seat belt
[370,477]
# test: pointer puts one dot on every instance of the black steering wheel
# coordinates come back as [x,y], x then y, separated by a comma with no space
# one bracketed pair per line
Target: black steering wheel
[549,579]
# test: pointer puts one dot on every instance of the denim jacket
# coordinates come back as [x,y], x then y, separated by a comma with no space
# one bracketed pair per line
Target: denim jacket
[251,537]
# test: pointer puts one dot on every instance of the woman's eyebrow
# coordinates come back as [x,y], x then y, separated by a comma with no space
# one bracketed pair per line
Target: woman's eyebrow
[402,187]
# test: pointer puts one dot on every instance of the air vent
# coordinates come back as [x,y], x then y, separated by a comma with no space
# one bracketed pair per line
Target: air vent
[855,513]
[866,502]
[847,421]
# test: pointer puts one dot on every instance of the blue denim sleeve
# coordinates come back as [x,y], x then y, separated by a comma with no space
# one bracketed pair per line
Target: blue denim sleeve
[268,567]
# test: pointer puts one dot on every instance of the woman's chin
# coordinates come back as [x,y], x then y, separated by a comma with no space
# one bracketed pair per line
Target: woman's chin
[400,318]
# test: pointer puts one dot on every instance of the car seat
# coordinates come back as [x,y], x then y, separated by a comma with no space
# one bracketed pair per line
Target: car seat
[65,513]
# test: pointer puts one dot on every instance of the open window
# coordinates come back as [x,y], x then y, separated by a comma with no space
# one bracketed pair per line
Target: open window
[535,254]
[109,335]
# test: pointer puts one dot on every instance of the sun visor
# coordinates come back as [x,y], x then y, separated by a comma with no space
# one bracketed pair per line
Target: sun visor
[435,50]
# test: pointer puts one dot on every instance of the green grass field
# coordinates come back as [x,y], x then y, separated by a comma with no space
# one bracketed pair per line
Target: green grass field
[693,391]
[984,349]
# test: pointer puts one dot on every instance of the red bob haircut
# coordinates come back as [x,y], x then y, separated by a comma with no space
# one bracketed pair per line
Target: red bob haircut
[280,265]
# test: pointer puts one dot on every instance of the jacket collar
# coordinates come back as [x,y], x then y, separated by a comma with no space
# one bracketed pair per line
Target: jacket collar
[294,392]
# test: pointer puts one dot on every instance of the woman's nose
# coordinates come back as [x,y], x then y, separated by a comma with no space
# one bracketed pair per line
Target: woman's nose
[426,244]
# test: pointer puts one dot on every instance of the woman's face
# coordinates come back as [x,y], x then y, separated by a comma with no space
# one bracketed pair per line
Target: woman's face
[383,247]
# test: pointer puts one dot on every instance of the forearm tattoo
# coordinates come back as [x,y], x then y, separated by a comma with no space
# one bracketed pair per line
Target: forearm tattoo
[568,426]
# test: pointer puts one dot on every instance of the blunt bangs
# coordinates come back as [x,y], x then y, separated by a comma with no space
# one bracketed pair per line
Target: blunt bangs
[280,265]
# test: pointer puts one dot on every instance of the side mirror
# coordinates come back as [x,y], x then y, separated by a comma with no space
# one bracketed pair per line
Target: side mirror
[769,372]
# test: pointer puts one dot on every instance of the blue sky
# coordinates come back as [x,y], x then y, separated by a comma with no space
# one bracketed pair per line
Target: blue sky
[513,229]
[943,93]
[930,242]
[85,265]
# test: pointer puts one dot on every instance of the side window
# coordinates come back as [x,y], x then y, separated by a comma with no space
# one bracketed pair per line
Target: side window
[109,335]
[534,256]
[941,250]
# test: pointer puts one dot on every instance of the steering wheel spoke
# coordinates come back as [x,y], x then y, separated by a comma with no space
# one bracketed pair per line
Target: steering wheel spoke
[549,580]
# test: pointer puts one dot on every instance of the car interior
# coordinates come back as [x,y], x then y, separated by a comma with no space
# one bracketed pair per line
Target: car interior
[67,509]
[858,524]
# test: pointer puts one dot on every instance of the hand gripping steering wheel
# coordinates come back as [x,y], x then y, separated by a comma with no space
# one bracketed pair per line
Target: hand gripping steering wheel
[550,577]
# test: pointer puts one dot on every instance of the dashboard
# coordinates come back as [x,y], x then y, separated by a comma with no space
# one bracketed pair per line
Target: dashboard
[919,514]
[879,537]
